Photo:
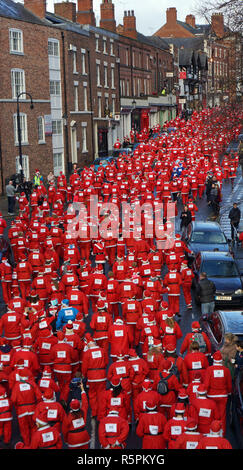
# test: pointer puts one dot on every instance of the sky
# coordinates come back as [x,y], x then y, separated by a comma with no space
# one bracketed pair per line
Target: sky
[150,14]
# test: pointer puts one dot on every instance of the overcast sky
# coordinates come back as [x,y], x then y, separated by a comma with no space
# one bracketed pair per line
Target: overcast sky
[150,14]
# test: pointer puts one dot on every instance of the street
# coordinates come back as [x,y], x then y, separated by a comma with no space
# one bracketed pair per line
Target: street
[229,196]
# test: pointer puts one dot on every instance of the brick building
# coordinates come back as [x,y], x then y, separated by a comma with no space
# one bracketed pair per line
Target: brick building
[24,53]
[223,49]
[146,68]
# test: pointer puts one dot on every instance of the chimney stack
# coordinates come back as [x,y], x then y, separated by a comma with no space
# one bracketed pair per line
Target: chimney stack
[38,7]
[107,15]
[171,16]
[66,10]
[217,24]
[129,24]
[85,13]
[191,20]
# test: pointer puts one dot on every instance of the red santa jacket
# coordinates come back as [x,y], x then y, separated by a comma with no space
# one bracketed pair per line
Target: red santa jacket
[120,338]
[113,431]
[151,427]
[110,400]
[100,324]
[217,381]
[196,362]
[124,370]
[94,364]
[10,325]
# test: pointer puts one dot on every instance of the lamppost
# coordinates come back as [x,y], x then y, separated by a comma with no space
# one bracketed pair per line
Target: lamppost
[19,132]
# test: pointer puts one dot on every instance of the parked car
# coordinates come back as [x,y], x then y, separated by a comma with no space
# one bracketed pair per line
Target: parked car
[206,236]
[222,269]
[218,323]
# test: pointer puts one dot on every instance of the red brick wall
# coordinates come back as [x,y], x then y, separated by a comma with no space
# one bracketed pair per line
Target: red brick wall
[34,62]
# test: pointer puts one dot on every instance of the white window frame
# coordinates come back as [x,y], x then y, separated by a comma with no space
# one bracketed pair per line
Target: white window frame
[13,82]
[111,47]
[104,45]
[76,104]
[112,77]
[57,172]
[84,138]
[85,98]
[56,126]
[99,107]
[20,49]
[106,76]
[55,86]
[83,61]
[24,129]
[25,166]
[75,61]
[54,44]
[98,74]
[41,126]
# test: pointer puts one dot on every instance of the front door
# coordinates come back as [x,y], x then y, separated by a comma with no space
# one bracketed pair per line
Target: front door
[102,142]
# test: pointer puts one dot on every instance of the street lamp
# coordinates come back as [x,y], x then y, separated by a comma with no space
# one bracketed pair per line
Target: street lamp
[19,132]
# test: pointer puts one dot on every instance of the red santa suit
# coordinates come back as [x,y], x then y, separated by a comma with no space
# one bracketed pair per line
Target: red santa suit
[100,324]
[131,312]
[190,438]
[24,274]
[62,357]
[175,426]
[120,269]
[95,361]
[174,386]
[115,398]
[141,370]
[75,342]
[6,279]
[46,382]
[97,286]
[170,331]
[25,396]
[214,440]
[6,417]
[218,383]
[119,336]
[113,431]
[173,281]
[124,370]
[146,394]
[196,328]
[78,300]
[46,436]
[196,361]
[187,276]
[151,427]
[149,334]
[204,410]
[112,295]
[10,326]
[74,429]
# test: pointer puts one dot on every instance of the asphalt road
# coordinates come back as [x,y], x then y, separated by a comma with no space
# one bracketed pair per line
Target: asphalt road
[204,213]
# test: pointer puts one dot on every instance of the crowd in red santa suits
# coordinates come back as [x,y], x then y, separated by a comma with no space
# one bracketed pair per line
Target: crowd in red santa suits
[124,331]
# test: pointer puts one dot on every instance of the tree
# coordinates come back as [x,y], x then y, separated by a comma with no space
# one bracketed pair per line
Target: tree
[231,9]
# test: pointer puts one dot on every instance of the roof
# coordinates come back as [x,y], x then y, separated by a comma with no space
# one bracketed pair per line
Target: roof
[218,255]
[187,26]
[66,24]
[233,321]
[206,225]
[17,11]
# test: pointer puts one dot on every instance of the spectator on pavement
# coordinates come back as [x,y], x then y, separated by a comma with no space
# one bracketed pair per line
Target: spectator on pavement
[234,216]
[10,193]
[206,292]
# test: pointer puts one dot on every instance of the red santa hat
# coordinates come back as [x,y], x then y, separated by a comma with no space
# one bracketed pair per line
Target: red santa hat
[47,371]
[180,408]
[170,314]
[115,381]
[19,445]
[170,348]
[147,385]
[217,357]
[60,335]
[164,305]
[100,305]
[201,389]
[48,394]
[151,404]
[191,424]
[195,326]
[75,405]
[69,325]
[156,343]
[132,353]
[215,427]
[182,394]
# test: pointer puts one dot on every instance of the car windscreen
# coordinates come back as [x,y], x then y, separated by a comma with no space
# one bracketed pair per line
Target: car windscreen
[220,268]
[207,237]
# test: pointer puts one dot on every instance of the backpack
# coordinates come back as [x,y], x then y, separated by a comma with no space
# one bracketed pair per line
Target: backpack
[162,387]
[174,370]
[198,337]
